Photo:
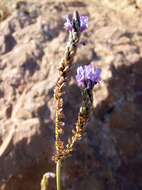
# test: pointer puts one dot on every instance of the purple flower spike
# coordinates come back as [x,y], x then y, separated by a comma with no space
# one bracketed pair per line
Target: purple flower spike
[86,76]
[83,23]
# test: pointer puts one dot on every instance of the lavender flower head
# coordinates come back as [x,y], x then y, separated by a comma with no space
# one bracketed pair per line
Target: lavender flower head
[83,23]
[86,76]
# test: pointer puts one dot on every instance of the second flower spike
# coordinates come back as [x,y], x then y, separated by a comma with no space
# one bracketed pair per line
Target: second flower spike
[87,77]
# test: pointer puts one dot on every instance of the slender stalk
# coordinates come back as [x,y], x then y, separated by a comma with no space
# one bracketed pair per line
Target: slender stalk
[58,175]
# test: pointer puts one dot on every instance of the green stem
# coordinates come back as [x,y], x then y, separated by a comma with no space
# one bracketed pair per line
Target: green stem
[58,175]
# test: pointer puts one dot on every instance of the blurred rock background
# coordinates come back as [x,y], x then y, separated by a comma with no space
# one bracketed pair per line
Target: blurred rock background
[32,42]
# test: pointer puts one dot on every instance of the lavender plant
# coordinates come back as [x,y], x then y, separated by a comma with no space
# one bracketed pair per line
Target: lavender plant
[86,78]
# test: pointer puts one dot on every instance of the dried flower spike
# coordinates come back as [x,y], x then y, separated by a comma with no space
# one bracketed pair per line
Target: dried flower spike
[86,76]
[83,23]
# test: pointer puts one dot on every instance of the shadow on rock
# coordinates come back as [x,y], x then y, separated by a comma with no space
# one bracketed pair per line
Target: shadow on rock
[118,133]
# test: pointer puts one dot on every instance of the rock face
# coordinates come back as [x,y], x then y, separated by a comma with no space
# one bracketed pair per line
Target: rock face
[32,42]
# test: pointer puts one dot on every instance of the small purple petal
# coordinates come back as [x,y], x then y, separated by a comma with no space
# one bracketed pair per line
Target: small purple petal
[80,73]
[80,83]
[83,23]
[80,76]
[89,72]
[98,75]
[68,24]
